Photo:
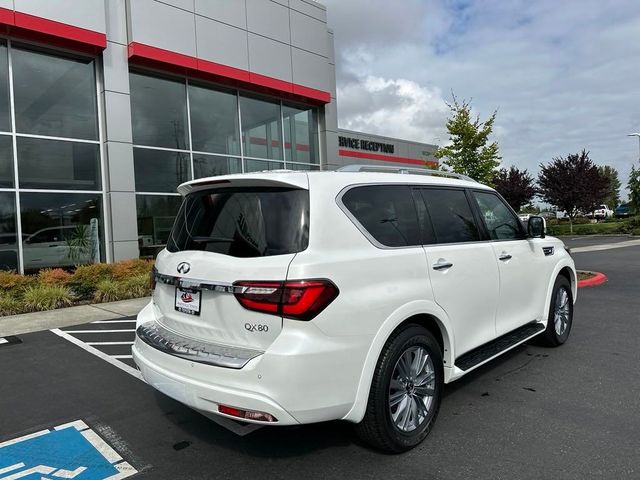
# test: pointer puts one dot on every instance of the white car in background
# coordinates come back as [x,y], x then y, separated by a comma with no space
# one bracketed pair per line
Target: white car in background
[602,212]
[286,298]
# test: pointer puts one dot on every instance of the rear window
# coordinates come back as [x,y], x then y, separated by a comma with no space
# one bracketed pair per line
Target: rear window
[243,222]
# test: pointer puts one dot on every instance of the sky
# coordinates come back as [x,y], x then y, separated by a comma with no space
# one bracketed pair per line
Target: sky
[563,74]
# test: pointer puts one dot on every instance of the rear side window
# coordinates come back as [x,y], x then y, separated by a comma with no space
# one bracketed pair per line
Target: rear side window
[386,212]
[450,215]
[243,222]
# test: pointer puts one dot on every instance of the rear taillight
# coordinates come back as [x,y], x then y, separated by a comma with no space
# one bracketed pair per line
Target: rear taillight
[297,299]
[247,414]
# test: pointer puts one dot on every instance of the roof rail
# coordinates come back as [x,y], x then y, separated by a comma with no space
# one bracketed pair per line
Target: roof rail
[404,170]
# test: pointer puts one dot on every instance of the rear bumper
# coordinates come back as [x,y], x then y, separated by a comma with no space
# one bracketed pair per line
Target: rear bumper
[303,377]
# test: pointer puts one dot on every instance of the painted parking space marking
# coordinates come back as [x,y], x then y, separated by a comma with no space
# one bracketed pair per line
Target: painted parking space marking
[72,450]
[4,341]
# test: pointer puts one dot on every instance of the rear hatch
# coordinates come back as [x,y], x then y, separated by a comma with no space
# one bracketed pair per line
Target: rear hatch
[226,232]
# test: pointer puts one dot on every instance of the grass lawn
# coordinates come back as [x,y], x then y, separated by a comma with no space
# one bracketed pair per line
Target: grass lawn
[627,226]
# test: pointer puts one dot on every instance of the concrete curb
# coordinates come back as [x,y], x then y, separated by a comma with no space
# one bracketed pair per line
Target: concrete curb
[597,279]
[65,317]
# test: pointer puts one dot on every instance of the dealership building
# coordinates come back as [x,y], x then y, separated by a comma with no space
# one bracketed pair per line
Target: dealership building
[106,106]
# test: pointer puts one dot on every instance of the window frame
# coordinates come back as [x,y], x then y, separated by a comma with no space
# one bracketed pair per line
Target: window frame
[478,213]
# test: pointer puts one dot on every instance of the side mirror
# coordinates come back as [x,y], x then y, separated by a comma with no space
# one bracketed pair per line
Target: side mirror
[536,227]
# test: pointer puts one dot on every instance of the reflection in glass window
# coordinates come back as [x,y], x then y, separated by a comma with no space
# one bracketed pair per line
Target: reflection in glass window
[387,212]
[8,235]
[501,223]
[261,128]
[210,166]
[155,219]
[159,112]
[5,115]
[251,165]
[6,161]
[300,134]
[450,215]
[160,170]
[58,165]
[214,121]
[54,96]
[61,229]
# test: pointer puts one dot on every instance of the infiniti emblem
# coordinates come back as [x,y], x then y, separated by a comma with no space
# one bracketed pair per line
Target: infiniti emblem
[184,267]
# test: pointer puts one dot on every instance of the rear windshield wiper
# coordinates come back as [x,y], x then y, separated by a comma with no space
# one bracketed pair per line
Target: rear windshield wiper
[213,239]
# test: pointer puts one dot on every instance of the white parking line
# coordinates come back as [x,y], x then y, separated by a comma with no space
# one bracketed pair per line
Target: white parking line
[109,343]
[99,331]
[121,356]
[107,358]
[114,321]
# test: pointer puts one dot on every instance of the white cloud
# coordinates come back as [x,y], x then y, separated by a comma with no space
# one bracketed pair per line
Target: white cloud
[563,76]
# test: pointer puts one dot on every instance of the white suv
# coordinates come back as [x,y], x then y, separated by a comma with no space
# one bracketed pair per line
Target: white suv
[286,298]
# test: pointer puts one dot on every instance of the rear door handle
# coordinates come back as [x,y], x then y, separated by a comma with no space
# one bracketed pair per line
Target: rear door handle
[442,265]
[504,257]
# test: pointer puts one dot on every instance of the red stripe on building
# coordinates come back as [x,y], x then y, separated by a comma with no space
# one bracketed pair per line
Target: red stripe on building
[43,30]
[159,58]
[386,158]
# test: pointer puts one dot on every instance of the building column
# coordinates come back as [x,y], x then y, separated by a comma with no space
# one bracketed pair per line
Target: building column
[117,138]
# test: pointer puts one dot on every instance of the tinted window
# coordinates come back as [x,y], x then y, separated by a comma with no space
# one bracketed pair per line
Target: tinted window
[261,128]
[387,212]
[210,165]
[159,112]
[8,235]
[156,214]
[160,170]
[214,121]
[54,96]
[6,161]
[5,116]
[243,222]
[57,164]
[450,215]
[500,222]
[300,130]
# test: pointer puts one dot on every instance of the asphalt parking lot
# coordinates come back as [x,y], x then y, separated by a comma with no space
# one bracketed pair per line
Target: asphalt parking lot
[570,412]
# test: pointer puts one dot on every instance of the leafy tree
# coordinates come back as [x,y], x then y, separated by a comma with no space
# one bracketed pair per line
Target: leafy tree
[516,186]
[573,184]
[470,152]
[634,188]
[612,200]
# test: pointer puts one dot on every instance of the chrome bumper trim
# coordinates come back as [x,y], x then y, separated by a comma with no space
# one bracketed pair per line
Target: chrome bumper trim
[186,348]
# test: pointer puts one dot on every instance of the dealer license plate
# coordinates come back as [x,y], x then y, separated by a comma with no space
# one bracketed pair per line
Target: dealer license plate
[188,300]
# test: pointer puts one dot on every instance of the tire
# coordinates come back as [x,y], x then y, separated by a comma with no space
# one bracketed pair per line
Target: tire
[398,425]
[559,327]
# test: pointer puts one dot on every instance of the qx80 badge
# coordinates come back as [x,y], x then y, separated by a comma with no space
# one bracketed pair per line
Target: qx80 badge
[184,268]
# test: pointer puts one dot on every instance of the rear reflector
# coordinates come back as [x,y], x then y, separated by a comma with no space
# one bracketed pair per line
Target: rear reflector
[296,299]
[246,414]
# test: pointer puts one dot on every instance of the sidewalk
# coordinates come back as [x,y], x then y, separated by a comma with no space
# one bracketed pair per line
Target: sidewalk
[65,317]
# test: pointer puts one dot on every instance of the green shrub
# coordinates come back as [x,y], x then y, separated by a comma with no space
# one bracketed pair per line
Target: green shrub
[9,304]
[131,268]
[138,286]
[46,297]
[109,290]
[85,279]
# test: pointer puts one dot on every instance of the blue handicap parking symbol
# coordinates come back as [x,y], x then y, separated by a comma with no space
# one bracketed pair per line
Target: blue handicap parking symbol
[68,451]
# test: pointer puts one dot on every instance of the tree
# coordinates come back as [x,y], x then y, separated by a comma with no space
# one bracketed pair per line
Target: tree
[516,186]
[612,200]
[634,188]
[573,184]
[469,152]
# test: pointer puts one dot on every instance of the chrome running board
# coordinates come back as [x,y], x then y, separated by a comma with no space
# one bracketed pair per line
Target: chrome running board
[187,348]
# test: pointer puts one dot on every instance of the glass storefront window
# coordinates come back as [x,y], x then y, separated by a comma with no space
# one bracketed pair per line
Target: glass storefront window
[5,114]
[300,134]
[58,164]
[54,96]
[8,234]
[159,112]
[261,128]
[6,161]
[61,229]
[160,170]
[211,165]
[214,121]
[155,219]
[251,165]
